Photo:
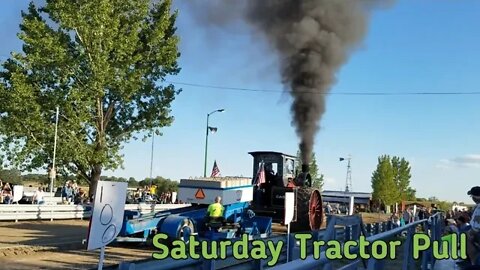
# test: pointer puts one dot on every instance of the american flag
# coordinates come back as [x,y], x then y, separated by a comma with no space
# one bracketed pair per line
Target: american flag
[215,170]
[260,178]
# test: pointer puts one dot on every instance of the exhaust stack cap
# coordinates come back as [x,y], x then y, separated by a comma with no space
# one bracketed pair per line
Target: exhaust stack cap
[305,168]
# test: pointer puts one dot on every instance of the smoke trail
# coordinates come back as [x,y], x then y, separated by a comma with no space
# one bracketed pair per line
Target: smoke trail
[313,39]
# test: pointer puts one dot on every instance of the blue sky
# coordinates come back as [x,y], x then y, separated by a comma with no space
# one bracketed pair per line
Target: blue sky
[414,46]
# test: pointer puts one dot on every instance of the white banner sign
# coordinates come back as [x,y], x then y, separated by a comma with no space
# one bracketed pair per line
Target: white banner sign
[17,193]
[289,207]
[174,197]
[352,205]
[108,210]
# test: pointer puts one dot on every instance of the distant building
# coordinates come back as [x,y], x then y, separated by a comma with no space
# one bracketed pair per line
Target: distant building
[459,207]
[361,200]
[409,204]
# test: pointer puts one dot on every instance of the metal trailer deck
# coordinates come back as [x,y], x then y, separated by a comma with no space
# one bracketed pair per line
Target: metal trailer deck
[237,218]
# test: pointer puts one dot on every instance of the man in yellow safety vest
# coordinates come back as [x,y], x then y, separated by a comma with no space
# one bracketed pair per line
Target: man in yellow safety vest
[215,211]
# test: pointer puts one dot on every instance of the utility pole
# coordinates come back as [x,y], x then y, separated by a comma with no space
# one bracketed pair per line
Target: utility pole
[151,158]
[348,182]
[53,171]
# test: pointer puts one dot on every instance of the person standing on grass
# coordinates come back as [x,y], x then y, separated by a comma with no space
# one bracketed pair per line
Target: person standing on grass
[7,194]
[406,216]
[67,192]
[38,196]
[463,224]
[473,235]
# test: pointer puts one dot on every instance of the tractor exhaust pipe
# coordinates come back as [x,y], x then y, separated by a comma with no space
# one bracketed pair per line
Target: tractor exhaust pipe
[304,178]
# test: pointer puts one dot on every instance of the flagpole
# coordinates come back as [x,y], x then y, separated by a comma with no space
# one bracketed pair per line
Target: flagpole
[258,173]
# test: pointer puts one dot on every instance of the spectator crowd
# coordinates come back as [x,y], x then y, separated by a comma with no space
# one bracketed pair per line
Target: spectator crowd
[457,221]
[6,193]
[71,193]
[150,194]
[467,222]
[409,215]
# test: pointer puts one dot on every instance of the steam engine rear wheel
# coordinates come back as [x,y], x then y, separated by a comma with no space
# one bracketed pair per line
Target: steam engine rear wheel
[309,210]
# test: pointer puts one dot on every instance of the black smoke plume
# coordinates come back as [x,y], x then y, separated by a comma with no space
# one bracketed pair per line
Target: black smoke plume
[312,38]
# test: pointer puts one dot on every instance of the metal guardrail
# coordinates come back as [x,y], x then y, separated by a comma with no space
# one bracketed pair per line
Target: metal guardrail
[228,263]
[16,212]
[432,226]
[351,229]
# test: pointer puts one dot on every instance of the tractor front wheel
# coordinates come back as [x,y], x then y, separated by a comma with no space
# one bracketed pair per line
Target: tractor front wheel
[309,210]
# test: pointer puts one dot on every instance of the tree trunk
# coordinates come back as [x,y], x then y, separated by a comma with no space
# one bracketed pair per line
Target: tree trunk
[95,177]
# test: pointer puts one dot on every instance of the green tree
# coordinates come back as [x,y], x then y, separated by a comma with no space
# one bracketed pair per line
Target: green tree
[383,182]
[163,184]
[398,190]
[317,177]
[444,205]
[11,176]
[410,195]
[36,178]
[102,63]
[401,169]
[132,182]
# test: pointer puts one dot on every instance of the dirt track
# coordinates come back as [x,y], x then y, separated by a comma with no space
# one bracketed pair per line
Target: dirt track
[58,245]
[73,259]
[42,233]
[55,245]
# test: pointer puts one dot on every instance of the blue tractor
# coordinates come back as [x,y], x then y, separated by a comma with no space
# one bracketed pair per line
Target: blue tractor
[181,223]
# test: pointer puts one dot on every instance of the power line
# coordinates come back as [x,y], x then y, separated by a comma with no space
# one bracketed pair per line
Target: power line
[326,93]
[241,89]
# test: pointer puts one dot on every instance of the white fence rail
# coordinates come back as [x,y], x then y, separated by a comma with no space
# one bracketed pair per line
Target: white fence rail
[16,212]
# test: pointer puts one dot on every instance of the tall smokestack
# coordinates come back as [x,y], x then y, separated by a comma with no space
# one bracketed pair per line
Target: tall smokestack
[313,39]
[305,168]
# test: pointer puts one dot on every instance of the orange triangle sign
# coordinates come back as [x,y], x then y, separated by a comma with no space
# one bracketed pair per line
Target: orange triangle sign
[199,194]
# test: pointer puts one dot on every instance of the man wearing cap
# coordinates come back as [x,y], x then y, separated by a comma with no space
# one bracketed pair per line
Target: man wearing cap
[473,235]
[451,226]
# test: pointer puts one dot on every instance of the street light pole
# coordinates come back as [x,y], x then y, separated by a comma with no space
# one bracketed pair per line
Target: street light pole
[53,172]
[151,159]
[206,147]
[206,141]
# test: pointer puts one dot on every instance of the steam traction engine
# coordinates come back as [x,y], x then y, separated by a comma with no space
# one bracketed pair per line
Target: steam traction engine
[281,175]
[239,197]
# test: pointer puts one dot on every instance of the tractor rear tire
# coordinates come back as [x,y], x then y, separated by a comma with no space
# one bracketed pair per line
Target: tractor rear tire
[309,215]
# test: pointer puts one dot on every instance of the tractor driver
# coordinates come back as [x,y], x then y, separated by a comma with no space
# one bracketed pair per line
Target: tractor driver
[269,173]
[215,211]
